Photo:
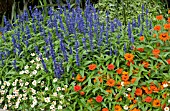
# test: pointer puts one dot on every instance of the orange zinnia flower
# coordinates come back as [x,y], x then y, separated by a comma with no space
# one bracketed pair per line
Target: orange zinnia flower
[129,56]
[125,77]
[128,63]
[130,97]
[110,82]
[110,66]
[119,71]
[133,80]
[154,35]
[167,26]
[119,86]
[146,64]
[140,49]
[135,109]
[168,11]
[159,17]
[80,78]
[148,99]
[92,67]
[164,36]
[105,109]
[138,92]
[168,61]
[90,100]
[117,108]
[147,91]
[156,103]
[99,78]
[155,52]
[141,38]
[157,28]
[168,20]
[109,91]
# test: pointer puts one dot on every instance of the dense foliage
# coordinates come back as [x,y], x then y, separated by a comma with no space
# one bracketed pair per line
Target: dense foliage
[73,60]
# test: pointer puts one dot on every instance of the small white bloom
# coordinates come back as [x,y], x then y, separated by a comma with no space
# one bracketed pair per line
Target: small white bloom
[129,89]
[21,84]
[60,102]
[38,59]
[166,109]
[169,101]
[122,83]
[14,83]
[54,102]
[63,89]
[55,94]
[47,99]
[26,83]
[32,54]
[125,107]
[26,67]
[60,107]
[34,72]
[8,83]
[21,72]
[58,88]
[5,107]
[46,88]
[34,83]
[32,61]
[61,96]
[55,80]
[2,87]
[165,85]
[26,71]
[66,86]
[52,107]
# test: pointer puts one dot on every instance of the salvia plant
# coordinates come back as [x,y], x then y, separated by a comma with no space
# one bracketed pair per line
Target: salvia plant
[70,60]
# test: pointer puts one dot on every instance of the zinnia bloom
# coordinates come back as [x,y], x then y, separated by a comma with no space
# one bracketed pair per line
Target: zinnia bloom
[110,66]
[164,36]
[128,63]
[146,64]
[109,91]
[80,78]
[133,80]
[168,61]
[168,20]
[167,26]
[138,92]
[110,82]
[92,67]
[119,71]
[157,28]
[125,77]
[117,108]
[82,93]
[77,88]
[148,99]
[159,17]
[129,56]
[141,38]
[140,49]
[155,52]
[99,99]
[105,109]
[156,103]
[99,78]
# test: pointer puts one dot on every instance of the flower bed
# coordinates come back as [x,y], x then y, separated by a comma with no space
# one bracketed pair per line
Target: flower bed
[71,61]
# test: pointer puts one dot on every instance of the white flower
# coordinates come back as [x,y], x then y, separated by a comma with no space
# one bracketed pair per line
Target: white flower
[66,86]
[34,72]
[34,83]
[21,84]
[52,107]
[32,61]
[165,85]
[14,83]
[5,107]
[5,83]
[38,59]
[2,87]
[63,89]
[122,83]
[129,89]
[26,83]
[8,83]
[38,66]
[0,82]
[26,71]
[55,94]
[125,107]
[60,107]
[55,80]
[46,88]
[54,102]
[47,99]
[169,101]
[21,72]
[26,67]
[58,88]
[61,96]
[60,102]
[166,109]
[9,96]
[32,54]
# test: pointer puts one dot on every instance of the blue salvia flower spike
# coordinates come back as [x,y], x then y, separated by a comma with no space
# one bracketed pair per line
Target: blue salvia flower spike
[14,65]
[125,48]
